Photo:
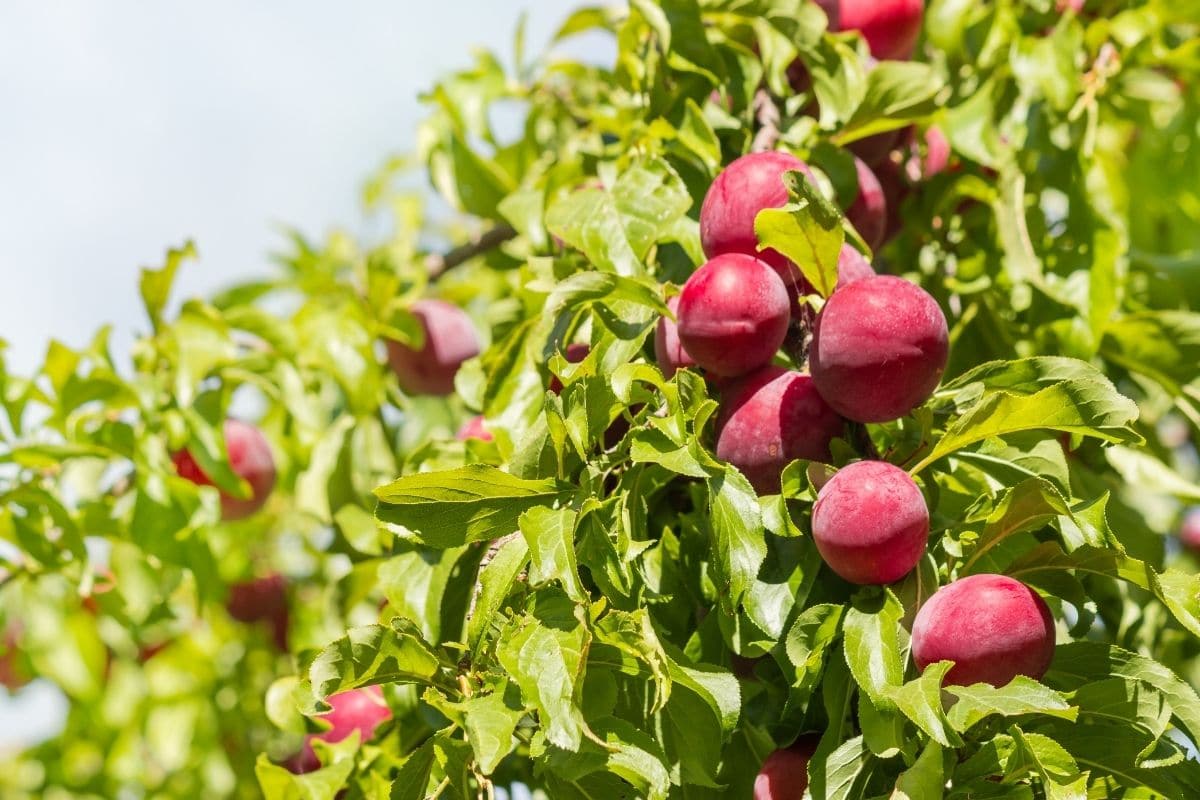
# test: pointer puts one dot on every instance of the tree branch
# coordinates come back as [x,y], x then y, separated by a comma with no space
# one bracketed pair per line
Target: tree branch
[436,263]
[766,113]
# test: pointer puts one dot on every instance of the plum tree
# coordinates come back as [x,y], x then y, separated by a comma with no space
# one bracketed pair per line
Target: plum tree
[1189,530]
[668,352]
[770,418]
[784,773]
[879,348]
[747,186]
[250,459]
[733,314]
[868,213]
[870,523]
[262,599]
[362,710]
[474,429]
[891,27]
[450,339]
[991,626]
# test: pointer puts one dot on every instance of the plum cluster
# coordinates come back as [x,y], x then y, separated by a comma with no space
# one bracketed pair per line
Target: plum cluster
[879,346]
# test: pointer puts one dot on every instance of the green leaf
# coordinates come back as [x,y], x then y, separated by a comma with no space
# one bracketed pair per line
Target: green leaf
[1085,407]
[897,92]
[924,778]
[1179,591]
[495,581]
[278,783]
[373,654]
[470,504]
[1046,758]
[412,780]
[156,283]
[543,652]
[550,535]
[921,701]
[809,232]
[872,644]
[1077,664]
[490,721]
[1021,696]
[737,534]
[1162,345]
[809,640]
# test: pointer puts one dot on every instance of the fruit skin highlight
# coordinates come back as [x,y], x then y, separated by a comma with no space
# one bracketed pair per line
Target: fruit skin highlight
[870,523]
[251,460]
[744,188]
[771,418]
[784,775]
[733,314]
[450,339]
[668,352]
[991,626]
[879,348]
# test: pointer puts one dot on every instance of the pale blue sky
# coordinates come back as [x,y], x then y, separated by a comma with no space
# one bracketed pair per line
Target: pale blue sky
[128,126]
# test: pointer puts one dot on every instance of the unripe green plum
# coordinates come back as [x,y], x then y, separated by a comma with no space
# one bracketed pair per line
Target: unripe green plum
[733,314]
[870,523]
[868,213]
[668,352]
[879,348]
[450,339]
[891,27]
[251,460]
[744,188]
[992,627]
[784,775]
[771,418]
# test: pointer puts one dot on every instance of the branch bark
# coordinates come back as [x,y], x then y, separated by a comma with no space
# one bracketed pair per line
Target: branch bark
[437,263]
[766,113]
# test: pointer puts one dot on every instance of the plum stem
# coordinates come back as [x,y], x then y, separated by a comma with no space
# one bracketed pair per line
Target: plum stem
[795,344]
[862,441]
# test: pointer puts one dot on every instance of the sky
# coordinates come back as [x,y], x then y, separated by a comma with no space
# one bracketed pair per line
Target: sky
[128,127]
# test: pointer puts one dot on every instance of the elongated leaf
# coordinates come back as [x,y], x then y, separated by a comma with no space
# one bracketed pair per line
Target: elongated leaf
[737,533]
[1086,407]
[809,232]
[872,644]
[473,503]
[373,654]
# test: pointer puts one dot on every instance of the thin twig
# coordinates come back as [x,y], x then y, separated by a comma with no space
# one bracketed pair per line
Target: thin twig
[437,263]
